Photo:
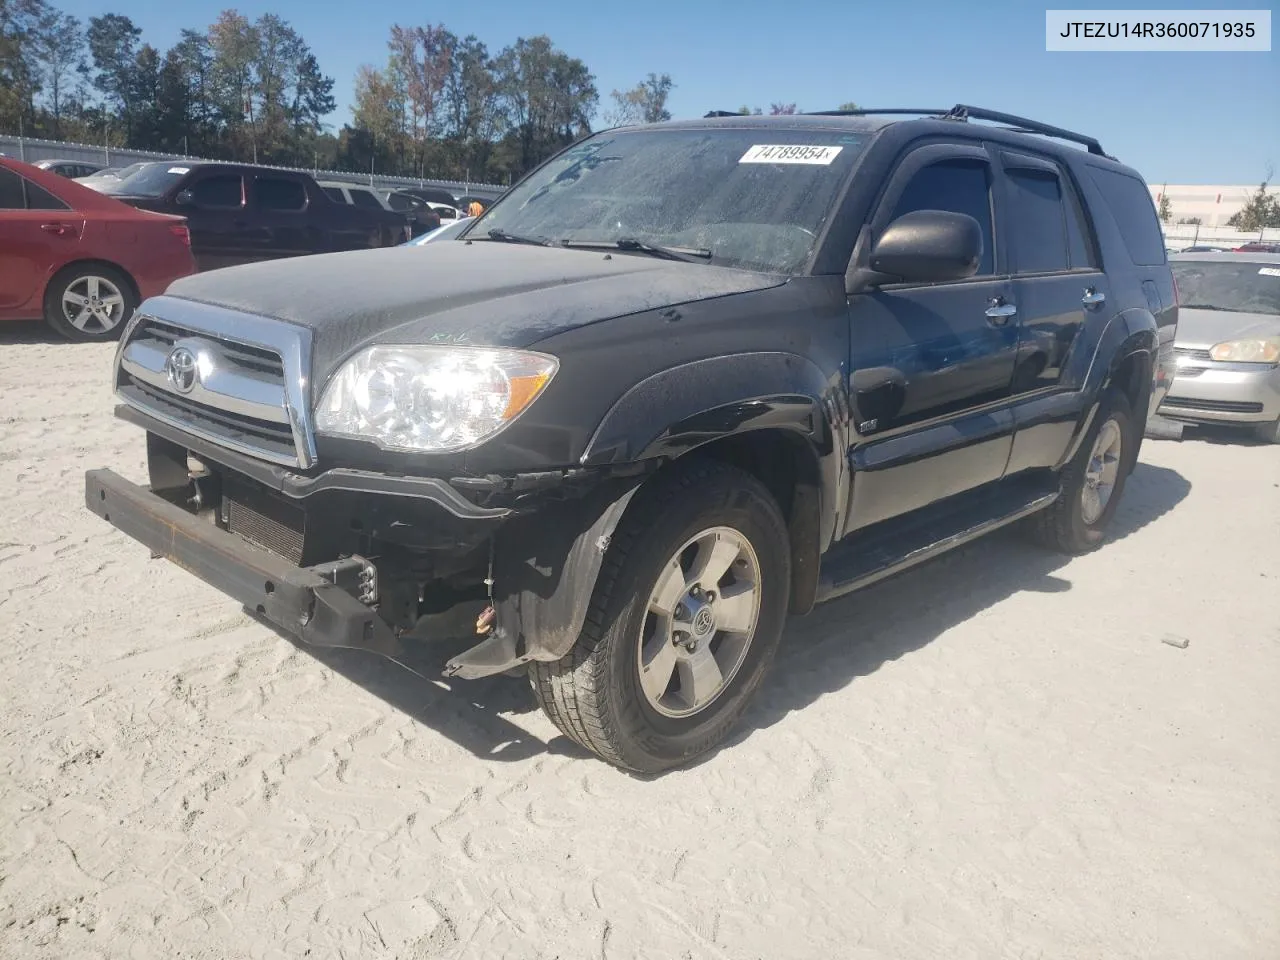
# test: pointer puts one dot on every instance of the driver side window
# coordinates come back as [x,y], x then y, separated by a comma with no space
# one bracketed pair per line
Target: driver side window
[957,186]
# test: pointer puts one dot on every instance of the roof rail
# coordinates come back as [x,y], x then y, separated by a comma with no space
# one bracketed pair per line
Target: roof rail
[963,112]
[722,113]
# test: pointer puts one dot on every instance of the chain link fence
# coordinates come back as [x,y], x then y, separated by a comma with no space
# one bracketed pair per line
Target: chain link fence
[30,151]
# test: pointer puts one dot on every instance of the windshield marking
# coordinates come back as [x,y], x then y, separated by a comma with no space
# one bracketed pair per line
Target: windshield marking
[791,153]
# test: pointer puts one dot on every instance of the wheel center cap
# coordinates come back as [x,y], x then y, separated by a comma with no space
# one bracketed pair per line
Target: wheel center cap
[703,622]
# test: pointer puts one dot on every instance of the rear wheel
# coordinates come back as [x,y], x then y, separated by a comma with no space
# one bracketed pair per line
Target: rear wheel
[1268,432]
[686,616]
[89,302]
[1092,482]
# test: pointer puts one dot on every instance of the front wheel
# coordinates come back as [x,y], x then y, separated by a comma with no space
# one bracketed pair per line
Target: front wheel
[1092,483]
[685,619]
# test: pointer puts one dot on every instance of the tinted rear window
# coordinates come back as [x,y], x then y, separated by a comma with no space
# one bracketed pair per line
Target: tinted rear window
[279,193]
[363,198]
[1134,213]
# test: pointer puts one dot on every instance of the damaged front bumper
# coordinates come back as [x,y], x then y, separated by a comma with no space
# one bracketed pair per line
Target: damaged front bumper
[318,605]
[541,576]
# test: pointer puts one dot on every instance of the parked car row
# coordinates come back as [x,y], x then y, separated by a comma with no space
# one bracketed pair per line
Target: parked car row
[83,255]
[81,260]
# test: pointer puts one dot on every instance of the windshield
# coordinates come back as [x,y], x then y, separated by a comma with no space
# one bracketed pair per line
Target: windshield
[1241,287]
[149,180]
[752,198]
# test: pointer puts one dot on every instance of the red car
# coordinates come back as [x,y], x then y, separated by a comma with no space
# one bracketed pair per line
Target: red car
[79,259]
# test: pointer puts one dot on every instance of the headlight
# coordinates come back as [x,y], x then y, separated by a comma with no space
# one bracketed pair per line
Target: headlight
[1248,351]
[431,399]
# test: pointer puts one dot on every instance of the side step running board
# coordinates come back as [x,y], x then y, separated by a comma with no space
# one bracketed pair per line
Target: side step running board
[892,546]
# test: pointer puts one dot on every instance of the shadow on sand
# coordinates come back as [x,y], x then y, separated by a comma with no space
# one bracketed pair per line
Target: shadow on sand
[825,651]
[13,332]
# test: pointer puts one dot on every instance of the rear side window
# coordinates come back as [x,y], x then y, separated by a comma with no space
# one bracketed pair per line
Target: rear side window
[11,191]
[1037,222]
[223,191]
[1134,213]
[363,198]
[38,198]
[19,193]
[957,186]
[334,194]
[278,193]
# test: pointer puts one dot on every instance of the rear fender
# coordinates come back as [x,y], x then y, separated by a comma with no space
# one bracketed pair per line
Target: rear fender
[1129,333]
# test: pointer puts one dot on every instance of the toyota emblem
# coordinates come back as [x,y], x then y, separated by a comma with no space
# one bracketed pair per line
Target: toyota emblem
[181,369]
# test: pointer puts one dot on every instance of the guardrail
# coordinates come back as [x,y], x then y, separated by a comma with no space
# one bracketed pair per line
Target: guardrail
[31,150]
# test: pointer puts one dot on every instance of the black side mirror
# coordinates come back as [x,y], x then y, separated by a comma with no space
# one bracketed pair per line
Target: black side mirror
[928,246]
[185,198]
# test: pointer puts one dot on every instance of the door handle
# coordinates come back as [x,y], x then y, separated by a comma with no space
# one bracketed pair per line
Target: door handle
[1000,311]
[1093,297]
[58,229]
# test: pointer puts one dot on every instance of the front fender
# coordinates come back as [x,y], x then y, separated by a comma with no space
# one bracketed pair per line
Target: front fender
[684,407]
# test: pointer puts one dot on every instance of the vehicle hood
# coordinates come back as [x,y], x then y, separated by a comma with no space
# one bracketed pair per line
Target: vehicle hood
[1204,328]
[482,294]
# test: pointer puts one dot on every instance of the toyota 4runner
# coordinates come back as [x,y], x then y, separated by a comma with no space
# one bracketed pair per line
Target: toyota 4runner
[680,381]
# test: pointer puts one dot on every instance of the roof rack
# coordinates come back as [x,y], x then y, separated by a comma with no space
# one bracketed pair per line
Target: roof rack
[722,113]
[963,112]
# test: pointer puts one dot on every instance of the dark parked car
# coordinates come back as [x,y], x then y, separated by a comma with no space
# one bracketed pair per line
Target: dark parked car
[71,169]
[680,381]
[421,215]
[240,214]
[430,194]
[80,260]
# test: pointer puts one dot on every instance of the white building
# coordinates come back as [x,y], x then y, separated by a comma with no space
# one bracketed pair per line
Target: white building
[1213,205]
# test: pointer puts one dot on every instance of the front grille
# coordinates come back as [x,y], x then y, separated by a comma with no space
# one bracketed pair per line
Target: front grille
[245,381]
[241,355]
[1214,406]
[241,432]
[263,520]
[1186,353]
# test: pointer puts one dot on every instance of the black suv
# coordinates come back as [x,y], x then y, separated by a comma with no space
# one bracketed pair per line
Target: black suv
[678,382]
[240,214]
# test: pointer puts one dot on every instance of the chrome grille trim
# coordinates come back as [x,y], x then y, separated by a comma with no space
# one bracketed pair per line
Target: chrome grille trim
[1192,353]
[265,379]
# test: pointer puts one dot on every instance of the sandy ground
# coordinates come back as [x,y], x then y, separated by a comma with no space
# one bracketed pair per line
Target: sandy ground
[994,756]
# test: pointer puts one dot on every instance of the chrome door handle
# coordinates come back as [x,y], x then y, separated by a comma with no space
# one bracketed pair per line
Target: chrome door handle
[1093,297]
[999,312]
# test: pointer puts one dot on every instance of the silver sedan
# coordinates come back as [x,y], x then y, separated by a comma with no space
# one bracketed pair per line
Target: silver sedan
[1228,341]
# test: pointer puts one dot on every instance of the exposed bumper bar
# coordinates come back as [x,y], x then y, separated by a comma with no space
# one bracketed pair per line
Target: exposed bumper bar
[302,601]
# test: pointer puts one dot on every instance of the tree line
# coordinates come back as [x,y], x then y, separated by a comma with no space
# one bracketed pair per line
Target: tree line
[440,106]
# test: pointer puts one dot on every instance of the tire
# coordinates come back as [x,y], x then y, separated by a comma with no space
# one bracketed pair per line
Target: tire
[1073,524]
[1268,432]
[115,303]
[595,694]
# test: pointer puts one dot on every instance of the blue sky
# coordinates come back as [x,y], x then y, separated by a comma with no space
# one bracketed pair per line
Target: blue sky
[1176,117]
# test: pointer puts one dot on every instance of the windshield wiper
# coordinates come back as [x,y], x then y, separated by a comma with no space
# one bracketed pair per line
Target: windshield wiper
[687,254]
[500,234]
[1200,306]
